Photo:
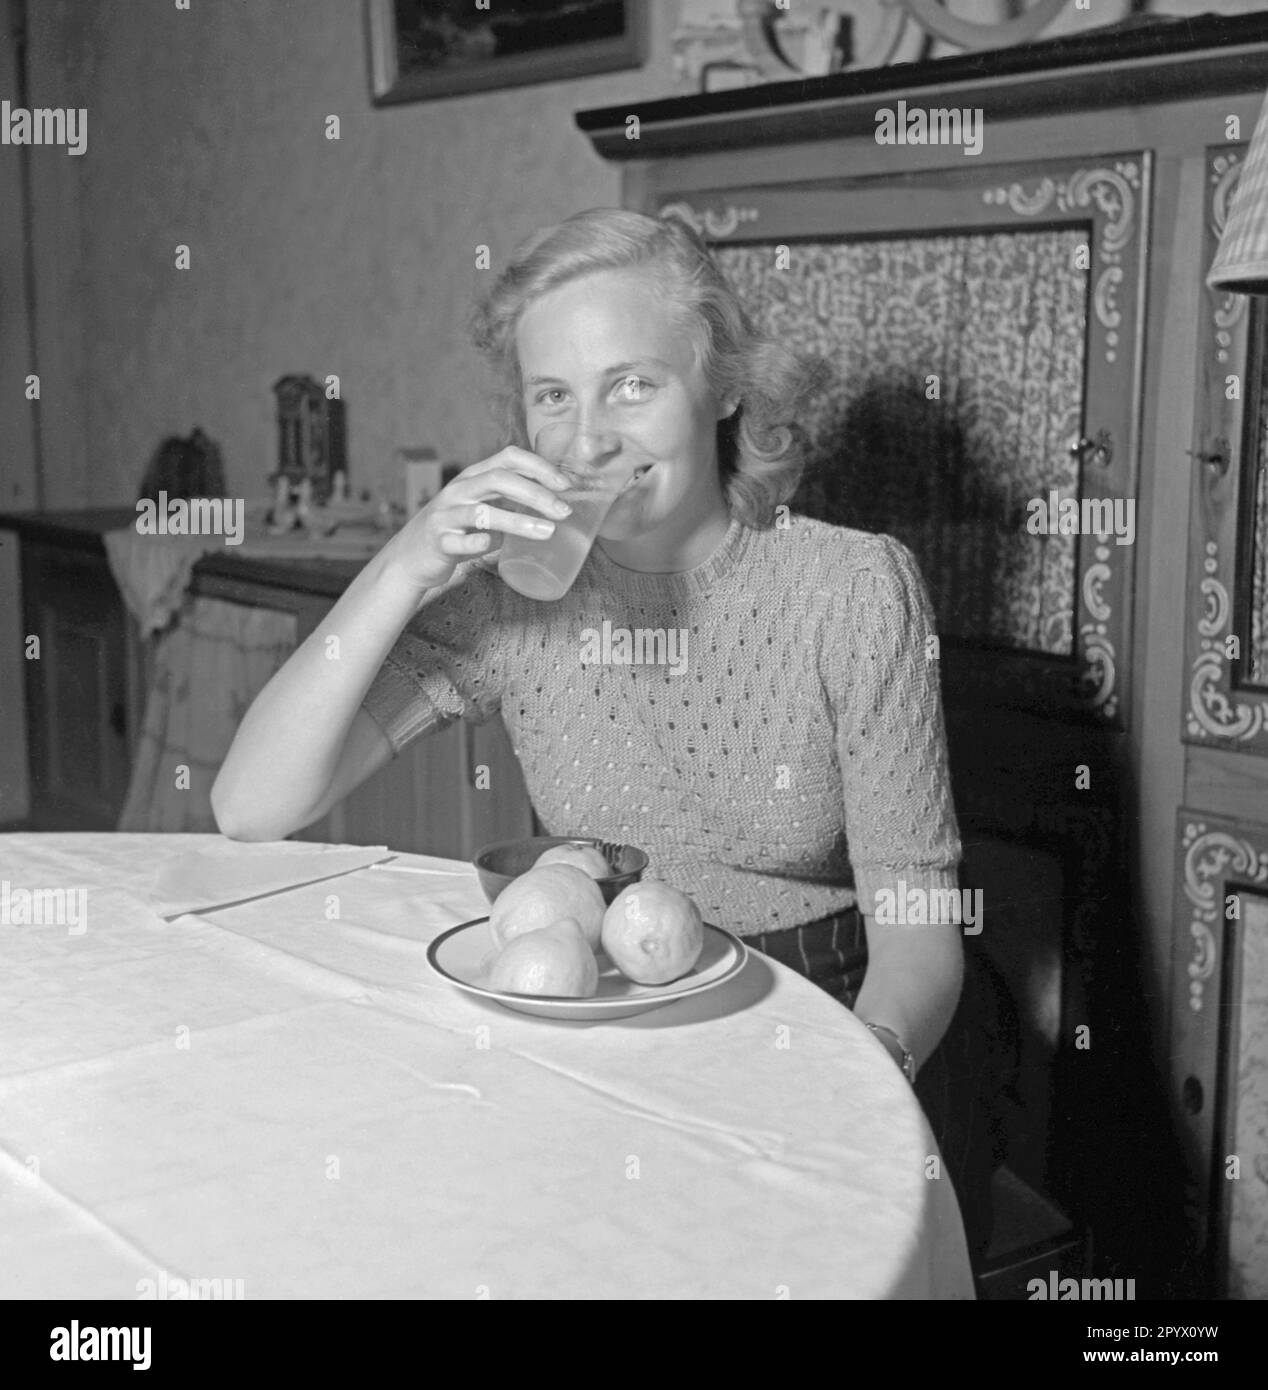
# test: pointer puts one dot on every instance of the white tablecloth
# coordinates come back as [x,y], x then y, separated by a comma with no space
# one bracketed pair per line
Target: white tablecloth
[282,1093]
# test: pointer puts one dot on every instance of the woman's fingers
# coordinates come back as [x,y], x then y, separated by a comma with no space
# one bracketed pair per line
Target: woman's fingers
[484,516]
[513,457]
[463,520]
[484,481]
[459,543]
[500,485]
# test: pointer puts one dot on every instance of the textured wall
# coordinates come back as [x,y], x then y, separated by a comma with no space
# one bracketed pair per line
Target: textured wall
[17,417]
[207,127]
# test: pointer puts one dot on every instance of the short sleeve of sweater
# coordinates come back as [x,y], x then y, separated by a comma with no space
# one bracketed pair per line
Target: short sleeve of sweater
[882,678]
[447,662]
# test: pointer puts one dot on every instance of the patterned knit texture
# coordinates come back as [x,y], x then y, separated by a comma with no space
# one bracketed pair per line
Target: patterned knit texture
[793,764]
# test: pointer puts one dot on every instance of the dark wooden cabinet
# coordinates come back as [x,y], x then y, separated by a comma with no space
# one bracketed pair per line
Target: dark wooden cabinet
[79,689]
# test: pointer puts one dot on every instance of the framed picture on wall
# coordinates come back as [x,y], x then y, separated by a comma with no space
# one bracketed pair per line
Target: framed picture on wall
[424,49]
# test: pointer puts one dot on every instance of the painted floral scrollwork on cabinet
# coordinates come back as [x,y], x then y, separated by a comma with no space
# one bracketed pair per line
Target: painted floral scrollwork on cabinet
[1219,1020]
[1226,627]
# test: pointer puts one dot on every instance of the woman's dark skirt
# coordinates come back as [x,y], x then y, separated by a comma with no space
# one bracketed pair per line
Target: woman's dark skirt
[958,1085]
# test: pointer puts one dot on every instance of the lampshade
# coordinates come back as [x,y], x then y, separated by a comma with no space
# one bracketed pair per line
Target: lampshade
[1241,262]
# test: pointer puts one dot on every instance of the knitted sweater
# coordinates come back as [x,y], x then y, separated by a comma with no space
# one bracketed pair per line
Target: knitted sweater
[784,757]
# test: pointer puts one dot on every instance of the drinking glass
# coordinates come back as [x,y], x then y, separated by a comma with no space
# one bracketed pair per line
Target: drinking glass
[599,465]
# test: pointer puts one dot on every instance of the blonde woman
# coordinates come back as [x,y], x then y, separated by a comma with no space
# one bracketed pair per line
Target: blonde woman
[792,773]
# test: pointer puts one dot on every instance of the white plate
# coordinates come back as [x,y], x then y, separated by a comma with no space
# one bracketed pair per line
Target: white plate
[463,954]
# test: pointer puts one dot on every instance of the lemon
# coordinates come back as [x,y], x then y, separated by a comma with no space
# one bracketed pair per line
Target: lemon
[584,857]
[652,932]
[556,960]
[542,896]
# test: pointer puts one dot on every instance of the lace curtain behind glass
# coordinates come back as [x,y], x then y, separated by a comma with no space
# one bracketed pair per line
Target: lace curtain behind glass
[957,392]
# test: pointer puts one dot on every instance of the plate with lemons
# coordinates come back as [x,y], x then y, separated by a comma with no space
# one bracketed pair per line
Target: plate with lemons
[464,954]
[553,948]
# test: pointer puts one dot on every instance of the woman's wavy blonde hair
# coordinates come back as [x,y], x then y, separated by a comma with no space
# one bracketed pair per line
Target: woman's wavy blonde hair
[761,446]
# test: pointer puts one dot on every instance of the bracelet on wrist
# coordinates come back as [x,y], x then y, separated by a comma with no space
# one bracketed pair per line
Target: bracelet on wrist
[905,1060]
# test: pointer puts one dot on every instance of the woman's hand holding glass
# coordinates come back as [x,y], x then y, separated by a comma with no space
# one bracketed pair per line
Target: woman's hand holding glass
[601,466]
[464,518]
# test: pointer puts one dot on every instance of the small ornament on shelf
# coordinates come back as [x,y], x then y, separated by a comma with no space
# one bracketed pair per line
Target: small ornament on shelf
[421,476]
[184,468]
[304,502]
[311,428]
[281,517]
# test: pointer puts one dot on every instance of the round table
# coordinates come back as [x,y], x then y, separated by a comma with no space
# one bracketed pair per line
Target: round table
[278,1099]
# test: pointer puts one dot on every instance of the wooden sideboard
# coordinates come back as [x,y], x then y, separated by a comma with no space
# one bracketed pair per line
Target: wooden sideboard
[76,700]
[78,709]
